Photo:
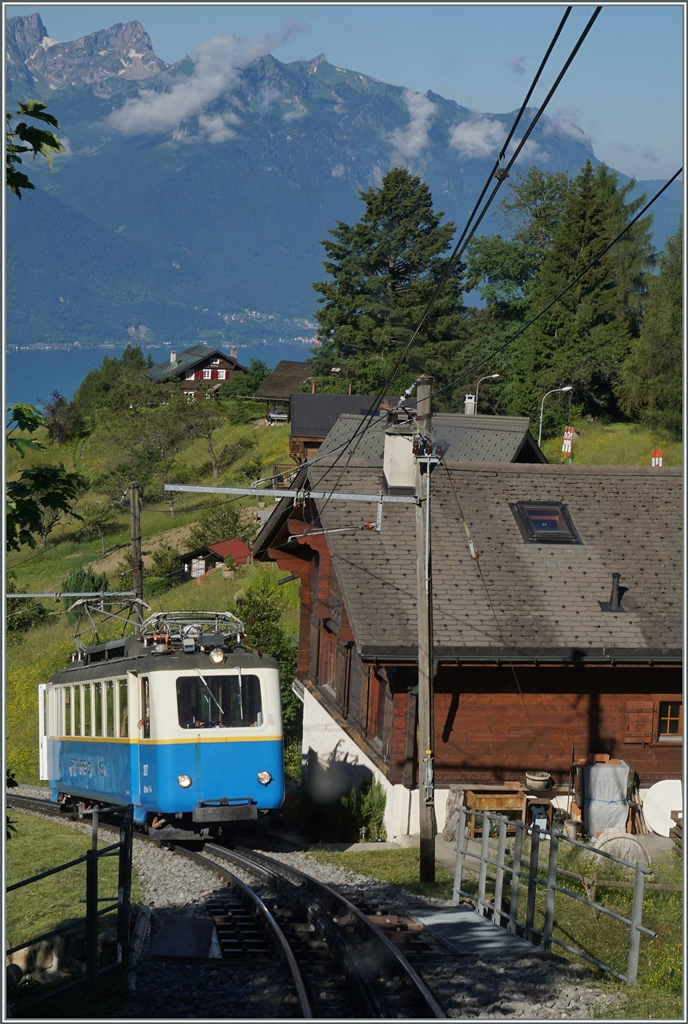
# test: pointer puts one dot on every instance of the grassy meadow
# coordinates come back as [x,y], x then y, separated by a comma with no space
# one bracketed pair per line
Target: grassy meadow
[614,444]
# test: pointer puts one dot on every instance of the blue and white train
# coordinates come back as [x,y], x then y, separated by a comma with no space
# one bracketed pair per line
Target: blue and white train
[183,722]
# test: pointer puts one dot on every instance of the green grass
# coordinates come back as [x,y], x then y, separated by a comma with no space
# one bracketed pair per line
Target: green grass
[615,444]
[37,845]
[400,867]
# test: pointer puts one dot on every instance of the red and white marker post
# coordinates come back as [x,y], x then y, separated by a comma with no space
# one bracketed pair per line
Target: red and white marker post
[656,456]
[568,441]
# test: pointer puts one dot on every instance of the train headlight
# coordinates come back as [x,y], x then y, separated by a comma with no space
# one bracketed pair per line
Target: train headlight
[264,778]
[184,781]
[216,656]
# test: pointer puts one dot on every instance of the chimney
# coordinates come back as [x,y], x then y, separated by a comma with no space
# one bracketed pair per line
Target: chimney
[173,358]
[233,352]
[313,387]
[614,602]
[399,464]
[469,405]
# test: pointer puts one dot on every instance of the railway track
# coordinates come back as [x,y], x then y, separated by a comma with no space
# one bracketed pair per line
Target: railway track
[341,963]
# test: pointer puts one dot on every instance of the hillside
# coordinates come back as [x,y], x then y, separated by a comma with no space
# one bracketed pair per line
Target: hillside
[224,213]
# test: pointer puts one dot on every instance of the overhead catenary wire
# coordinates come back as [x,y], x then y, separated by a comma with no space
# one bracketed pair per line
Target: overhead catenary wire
[468,234]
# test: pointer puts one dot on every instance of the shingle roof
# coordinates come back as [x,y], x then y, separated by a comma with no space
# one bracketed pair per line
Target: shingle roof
[279,384]
[464,438]
[545,596]
[315,415]
[185,360]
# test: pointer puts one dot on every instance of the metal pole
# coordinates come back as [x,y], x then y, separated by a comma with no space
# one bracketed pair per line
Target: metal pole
[92,906]
[515,879]
[484,857]
[636,921]
[124,880]
[499,877]
[551,891]
[458,867]
[532,881]
[136,560]
[428,823]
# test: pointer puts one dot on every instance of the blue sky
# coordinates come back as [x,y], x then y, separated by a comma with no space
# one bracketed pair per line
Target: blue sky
[625,89]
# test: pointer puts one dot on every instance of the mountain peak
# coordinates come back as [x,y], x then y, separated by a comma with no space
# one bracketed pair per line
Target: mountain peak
[123,51]
[314,64]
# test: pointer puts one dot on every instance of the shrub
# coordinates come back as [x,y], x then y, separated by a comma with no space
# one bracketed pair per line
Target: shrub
[221,520]
[166,569]
[365,810]
[21,613]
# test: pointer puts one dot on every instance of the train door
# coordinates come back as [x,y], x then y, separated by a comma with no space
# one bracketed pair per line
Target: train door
[42,732]
[143,731]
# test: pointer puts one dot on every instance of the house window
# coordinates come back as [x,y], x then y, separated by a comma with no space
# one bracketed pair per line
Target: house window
[197,567]
[206,374]
[222,375]
[547,522]
[190,375]
[670,721]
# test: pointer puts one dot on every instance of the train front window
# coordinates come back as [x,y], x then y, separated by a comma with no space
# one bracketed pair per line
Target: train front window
[68,711]
[110,708]
[219,702]
[78,690]
[87,709]
[98,715]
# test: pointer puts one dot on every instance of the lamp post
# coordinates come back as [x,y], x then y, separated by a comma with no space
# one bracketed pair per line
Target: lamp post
[490,376]
[569,387]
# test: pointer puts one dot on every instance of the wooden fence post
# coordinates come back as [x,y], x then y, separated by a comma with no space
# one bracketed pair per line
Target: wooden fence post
[484,854]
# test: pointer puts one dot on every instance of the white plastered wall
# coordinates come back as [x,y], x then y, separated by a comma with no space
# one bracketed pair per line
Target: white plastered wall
[336,763]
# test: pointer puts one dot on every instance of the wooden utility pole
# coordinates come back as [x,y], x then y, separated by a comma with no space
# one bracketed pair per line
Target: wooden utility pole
[426,783]
[136,560]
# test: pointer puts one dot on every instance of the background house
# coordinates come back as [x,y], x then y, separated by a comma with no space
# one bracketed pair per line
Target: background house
[529,663]
[198,367]
[202,560]
[312,417]
[278,386]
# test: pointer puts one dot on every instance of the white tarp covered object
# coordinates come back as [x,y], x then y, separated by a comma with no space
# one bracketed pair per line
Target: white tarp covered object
[605,789]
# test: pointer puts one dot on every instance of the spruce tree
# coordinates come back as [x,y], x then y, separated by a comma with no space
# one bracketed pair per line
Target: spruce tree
[383,271]
[586,335]
[651,383]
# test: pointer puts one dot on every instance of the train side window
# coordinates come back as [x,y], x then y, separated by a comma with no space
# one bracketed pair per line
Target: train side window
[88,713]
[59,698]
[68,711]
[123,708]
[110,708]
[98,713]
[78,692]
[145,708]
[219,702]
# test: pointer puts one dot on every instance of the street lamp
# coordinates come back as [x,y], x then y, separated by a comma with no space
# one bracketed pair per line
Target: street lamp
[490,376]
[569,387]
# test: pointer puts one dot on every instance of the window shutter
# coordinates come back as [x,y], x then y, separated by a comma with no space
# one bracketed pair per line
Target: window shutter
[639,721]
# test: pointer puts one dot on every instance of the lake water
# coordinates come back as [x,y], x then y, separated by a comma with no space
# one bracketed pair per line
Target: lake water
[33,374]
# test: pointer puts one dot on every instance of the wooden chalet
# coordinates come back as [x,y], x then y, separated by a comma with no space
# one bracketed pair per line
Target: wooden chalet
[312,417]
[279,385]
[530,659]
[198,368]
[202,560]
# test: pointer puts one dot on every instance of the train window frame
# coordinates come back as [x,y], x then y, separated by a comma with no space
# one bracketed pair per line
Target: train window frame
[121,722]
[109,708]
[77,709]
[98,708]
[68,711]
[58,698]
[144,722]
[88,710]
[186,707]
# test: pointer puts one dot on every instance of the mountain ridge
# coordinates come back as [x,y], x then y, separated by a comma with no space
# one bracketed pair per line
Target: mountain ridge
[231,194]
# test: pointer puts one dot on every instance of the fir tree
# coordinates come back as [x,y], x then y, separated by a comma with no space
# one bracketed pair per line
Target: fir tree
[651,378]
[383,272]
[586,335]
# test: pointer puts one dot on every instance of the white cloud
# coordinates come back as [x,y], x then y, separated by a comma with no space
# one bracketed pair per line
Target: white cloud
[217,68]
[563,122]
[216,126]
[477,138]
[410,141]
[516,63]
[294,115]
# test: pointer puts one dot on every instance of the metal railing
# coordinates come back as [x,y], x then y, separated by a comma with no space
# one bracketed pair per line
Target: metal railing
[121,849]
[526,869]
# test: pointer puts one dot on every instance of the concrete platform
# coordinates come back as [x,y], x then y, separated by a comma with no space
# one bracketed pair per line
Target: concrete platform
[465,933]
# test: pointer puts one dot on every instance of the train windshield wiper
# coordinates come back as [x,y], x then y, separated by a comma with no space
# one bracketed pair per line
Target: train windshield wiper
[209,691]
